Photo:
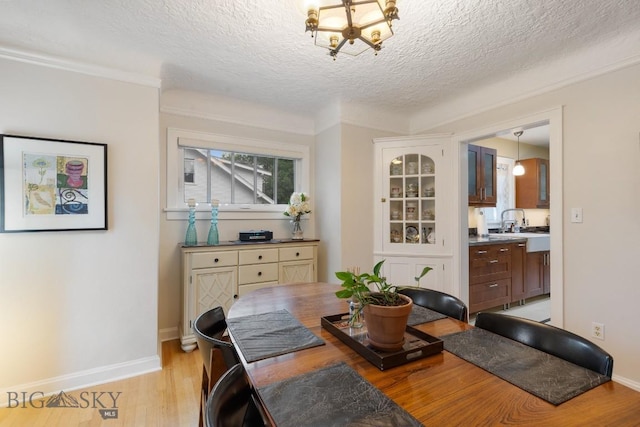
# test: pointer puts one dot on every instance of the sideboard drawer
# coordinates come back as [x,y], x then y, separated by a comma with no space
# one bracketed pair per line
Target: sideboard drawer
[296,253]
[214,259]
[256,256]
[257,273]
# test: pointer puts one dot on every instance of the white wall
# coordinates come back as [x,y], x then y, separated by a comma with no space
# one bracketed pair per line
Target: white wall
[328,180]
[358,181]
[601,152]
[80,307]
[172,232]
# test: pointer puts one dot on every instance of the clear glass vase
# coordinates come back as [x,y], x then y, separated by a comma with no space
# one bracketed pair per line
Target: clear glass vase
[296,229]
[355,314]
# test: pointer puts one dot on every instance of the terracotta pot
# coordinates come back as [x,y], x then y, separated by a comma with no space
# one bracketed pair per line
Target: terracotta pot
[386,324]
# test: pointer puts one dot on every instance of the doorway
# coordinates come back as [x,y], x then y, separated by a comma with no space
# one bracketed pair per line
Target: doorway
[552,118]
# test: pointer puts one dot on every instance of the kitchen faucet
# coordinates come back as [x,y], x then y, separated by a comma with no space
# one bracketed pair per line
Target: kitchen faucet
[502,221]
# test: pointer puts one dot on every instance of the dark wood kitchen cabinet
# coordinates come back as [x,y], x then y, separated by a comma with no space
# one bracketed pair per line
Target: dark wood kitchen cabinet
[537,274]
[532,188]
[489,276]
[518,270]
[546,274]
[482,176]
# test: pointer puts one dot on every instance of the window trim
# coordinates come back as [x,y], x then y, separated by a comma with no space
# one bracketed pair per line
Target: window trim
[177,138]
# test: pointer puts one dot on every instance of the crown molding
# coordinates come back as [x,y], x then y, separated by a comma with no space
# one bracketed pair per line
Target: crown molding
[231,110]
[363,116]
[604,58]
[79,67]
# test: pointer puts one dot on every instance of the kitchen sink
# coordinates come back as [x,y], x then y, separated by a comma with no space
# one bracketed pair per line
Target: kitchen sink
[536,242]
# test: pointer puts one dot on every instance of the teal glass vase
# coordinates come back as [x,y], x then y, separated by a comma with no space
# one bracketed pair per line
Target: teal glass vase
[191,238]
[213,238]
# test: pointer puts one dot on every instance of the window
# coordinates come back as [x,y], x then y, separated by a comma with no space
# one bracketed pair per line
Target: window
[237,178]
[243,174]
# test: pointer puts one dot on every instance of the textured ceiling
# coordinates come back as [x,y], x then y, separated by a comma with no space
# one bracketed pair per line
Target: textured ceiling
[258,50]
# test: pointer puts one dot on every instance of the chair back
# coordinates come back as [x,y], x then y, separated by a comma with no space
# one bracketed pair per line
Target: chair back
[209,328]
[558,342]
[232,402]
[438,301]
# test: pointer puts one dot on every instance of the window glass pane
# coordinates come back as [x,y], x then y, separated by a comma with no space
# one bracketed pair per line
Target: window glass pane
[264,180]
[237,178]
[285,180]
[197,188]
[189,171]
[220,175]
[242,174]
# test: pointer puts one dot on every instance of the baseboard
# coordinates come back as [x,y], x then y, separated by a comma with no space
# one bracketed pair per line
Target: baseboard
[78,380]
[168,334]
[627,382]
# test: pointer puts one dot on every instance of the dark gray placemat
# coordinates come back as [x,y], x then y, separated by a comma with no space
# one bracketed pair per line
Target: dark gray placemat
[541,374]
[259,336]
[421,314]
[332,396]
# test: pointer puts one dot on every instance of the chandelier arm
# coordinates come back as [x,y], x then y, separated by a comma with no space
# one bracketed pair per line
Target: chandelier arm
[347,10]
[373,45]
[337,48]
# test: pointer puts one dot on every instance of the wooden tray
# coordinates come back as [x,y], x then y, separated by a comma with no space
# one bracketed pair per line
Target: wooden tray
[417,345]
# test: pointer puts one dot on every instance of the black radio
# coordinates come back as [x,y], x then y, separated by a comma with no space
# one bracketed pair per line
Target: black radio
[253,235]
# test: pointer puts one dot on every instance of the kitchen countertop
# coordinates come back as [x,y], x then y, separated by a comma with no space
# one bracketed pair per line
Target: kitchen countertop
[494,240]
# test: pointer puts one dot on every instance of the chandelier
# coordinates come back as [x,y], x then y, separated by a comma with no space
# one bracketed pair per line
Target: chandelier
[336,25]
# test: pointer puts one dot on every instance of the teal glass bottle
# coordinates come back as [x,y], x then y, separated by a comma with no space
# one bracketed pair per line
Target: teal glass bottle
[213,238]
[191,238]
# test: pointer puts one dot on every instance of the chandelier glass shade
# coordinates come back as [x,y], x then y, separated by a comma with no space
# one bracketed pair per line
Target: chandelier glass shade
[350,26]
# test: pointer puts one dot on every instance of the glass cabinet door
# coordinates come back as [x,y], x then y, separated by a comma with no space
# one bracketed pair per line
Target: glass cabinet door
[489,161]
[410,215]
[543,185]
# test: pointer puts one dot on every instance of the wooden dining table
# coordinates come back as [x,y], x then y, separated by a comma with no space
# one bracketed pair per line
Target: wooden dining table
[442,389]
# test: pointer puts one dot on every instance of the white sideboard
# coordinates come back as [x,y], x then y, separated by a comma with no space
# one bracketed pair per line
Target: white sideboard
[217,275]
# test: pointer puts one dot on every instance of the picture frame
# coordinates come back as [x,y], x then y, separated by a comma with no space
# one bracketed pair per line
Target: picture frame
[52,184]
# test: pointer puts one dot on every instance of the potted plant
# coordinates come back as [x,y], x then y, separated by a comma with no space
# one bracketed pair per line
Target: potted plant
[385,310]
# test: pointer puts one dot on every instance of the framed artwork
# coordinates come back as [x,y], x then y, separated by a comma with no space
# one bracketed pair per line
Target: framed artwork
[52,185]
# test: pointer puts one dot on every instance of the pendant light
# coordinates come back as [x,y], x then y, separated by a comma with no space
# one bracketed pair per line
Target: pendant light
[518,170]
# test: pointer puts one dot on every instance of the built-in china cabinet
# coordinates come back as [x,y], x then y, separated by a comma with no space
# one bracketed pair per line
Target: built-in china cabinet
[413,209]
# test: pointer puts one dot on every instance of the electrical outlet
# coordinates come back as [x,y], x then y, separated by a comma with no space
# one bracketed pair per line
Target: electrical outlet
[597,330]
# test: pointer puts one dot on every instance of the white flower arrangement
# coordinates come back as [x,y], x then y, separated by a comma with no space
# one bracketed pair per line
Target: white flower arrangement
[298,206]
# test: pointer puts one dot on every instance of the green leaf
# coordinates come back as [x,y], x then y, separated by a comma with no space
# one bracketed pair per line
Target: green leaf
[344,275]
[344,293]
[376,269]
[424,271]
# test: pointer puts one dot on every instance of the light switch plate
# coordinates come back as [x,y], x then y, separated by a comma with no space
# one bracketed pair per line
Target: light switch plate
[576,215]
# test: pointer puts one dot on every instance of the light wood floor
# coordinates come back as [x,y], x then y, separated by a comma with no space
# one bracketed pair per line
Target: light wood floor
[166,398]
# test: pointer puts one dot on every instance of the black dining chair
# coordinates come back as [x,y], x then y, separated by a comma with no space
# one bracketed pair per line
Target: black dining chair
[438,301]
[218,354]
[233,403]
[558,342]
